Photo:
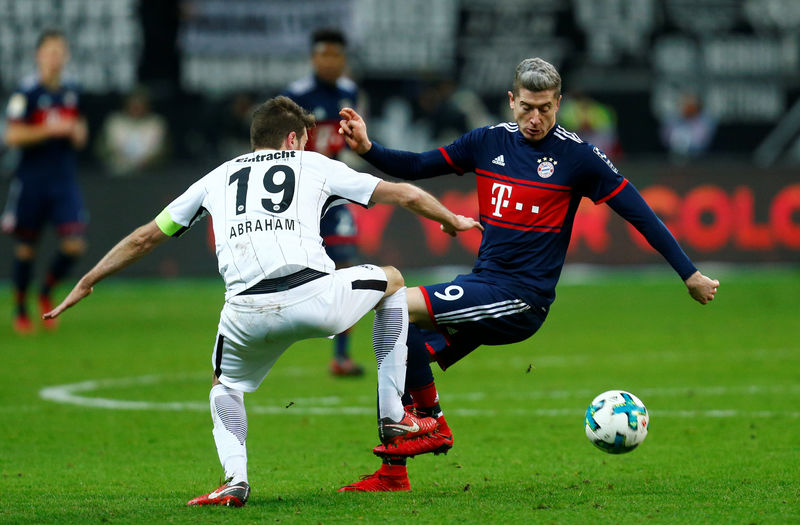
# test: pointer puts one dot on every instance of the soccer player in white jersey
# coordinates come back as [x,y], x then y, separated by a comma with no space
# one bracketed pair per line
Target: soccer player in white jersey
[281,287]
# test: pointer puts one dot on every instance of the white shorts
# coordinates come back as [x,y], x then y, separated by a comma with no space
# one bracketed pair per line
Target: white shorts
[254,330]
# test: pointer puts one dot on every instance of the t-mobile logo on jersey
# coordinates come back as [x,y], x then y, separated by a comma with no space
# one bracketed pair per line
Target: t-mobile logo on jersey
[499,200]
[509,203]
[499,194]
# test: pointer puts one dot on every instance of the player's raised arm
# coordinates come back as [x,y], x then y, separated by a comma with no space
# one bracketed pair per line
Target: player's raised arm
[401,164]
[422,203]
[354,130]
[129,250]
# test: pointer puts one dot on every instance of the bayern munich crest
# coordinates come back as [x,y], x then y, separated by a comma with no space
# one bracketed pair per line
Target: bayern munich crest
[547,166]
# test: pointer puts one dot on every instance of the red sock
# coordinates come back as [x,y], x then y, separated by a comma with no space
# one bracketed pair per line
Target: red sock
[425,397]
[393,470]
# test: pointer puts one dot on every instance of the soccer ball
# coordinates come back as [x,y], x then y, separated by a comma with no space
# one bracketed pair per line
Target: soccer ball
[616,422]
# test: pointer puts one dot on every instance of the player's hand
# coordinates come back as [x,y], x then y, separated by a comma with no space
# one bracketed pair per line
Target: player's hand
[461,224]
[61,128]
[80,134]
[701,288]
[354,130]
[79,292]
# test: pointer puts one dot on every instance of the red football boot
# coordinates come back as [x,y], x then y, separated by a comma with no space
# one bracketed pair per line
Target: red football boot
[23,325]
[440,442]
[346,368]
[410,426]
[388,478]
[226,495]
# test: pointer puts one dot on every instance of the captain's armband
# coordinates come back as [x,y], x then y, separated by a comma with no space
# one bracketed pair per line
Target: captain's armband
[166,224]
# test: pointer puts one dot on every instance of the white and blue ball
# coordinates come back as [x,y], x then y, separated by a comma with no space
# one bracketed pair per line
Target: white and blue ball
[616,422]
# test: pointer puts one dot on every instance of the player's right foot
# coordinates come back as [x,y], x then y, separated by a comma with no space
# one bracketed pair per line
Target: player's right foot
[346,368]
[388,478]
[23,325]
[410,426]
[439,442]
[226,495]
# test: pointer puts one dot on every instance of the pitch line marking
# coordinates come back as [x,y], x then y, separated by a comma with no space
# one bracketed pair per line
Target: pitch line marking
[74,394]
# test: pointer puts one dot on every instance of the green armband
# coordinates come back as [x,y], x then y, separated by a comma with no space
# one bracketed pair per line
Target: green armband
[166,224]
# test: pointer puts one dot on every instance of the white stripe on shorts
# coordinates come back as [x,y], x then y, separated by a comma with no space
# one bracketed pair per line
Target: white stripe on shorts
[475,313]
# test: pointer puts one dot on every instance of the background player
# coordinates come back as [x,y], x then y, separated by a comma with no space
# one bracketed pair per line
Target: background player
[323,93]
[281,287]
[531,175]
[45,122]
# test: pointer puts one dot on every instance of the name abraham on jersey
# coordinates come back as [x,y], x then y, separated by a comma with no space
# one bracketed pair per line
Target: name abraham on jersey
[283,154]
[262,225]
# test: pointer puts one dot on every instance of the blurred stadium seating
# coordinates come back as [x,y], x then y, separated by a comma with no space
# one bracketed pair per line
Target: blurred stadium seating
[739,202]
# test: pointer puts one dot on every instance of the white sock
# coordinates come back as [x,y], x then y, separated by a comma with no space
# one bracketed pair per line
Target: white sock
[230,431]
[389,335]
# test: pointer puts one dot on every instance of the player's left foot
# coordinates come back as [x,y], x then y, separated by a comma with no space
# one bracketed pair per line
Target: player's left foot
[45,305]
[226,495]
[23,325]
[438,442]
[388,478]
[410,426]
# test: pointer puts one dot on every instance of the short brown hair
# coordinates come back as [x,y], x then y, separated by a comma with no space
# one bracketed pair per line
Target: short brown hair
[276,118]
[47,34]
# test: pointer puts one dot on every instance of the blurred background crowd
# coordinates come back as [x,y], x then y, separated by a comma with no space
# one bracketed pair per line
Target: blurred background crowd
[173,80]
[671,85]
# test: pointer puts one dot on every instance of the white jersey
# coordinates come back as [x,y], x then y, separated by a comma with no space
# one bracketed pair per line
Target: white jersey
[266,207]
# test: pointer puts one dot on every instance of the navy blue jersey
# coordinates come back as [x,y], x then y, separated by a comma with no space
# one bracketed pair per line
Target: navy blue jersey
[53,160]
[528,195]
[324,101]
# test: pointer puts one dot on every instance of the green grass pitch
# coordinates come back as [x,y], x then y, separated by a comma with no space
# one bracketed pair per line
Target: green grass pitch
[722,384]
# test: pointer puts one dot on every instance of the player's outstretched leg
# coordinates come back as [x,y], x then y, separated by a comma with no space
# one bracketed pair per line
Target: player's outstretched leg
[388,478]
[422,390]
[230,436]
[389,334]
[21,278]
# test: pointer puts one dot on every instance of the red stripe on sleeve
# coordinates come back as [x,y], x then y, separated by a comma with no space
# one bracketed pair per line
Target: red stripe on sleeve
[452,164]
[610,195]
